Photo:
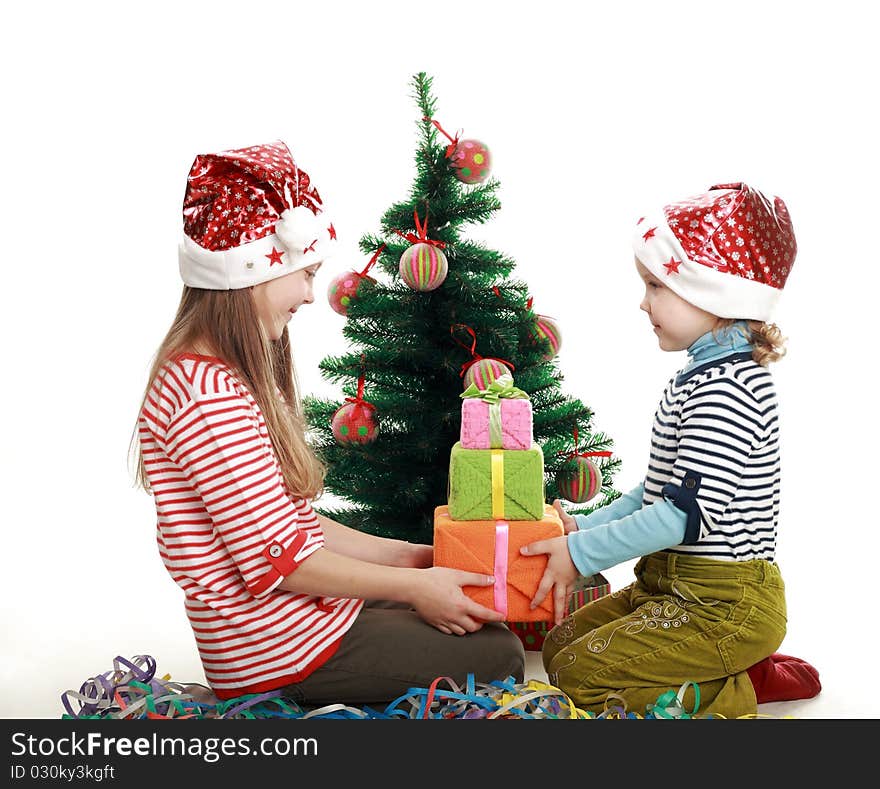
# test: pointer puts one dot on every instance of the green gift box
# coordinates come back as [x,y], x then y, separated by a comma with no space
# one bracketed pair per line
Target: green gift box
[496,483]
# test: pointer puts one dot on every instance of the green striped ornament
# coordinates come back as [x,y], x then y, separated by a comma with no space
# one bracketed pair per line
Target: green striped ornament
[423,267]
[484,371]
[546,331]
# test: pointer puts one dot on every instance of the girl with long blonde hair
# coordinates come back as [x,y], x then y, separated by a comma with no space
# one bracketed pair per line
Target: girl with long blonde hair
[278,596]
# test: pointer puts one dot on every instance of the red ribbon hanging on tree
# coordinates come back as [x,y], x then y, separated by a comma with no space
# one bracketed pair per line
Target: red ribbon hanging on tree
[372,261]
[360,391]
[450,149]
[576,454]
[475,357]
[422,230]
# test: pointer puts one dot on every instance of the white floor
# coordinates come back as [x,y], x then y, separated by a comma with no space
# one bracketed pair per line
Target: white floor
[44,655]
[37,688]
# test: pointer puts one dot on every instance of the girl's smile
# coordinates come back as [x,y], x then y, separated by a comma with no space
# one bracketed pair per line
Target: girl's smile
[279,299]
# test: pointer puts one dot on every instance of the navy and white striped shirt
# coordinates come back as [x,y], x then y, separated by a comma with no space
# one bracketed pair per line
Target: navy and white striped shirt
[712,486]
[715,443]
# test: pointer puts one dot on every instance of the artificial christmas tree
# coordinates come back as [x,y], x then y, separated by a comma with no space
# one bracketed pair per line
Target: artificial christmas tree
[417,350]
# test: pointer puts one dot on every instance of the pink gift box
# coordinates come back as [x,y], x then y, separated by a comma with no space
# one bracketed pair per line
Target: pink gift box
[516,424]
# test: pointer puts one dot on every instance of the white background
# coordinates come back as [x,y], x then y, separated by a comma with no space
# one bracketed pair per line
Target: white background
[592,115]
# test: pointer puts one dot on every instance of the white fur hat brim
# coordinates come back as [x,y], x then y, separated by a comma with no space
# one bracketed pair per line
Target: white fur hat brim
[301,239]
[714,291]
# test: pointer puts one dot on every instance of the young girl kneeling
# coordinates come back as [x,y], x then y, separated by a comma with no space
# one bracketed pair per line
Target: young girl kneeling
[708,603]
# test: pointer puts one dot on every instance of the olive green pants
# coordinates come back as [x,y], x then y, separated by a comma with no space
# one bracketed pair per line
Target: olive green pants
[684,618]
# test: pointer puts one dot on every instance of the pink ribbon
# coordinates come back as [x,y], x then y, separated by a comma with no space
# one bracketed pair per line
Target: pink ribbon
[501,541]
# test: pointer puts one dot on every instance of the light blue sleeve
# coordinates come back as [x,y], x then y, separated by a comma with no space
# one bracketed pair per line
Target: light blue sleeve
[625,505]
[653,528]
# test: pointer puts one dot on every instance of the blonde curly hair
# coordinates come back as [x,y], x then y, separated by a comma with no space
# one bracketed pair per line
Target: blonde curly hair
[766,337]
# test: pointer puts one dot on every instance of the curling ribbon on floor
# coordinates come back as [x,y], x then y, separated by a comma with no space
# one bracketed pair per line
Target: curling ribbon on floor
[131,691]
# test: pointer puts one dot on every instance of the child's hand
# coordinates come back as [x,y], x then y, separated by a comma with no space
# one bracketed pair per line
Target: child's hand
[559,575]
[568,522]
[438,600]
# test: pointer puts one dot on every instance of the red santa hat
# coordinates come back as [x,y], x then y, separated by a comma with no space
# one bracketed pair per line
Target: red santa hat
[250,215]
[728,251]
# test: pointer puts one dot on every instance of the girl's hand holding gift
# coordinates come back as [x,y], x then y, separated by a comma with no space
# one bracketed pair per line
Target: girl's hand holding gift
[559,575]
[439,600]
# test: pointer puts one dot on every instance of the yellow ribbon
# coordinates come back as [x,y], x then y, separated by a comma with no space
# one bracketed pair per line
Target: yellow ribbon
[497,483]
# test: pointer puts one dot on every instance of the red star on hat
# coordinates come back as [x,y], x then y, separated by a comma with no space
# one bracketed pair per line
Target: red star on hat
[736,243]
[672,266]
[274,257]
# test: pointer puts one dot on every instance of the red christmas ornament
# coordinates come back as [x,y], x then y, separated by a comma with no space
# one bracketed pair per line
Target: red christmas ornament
[343,289]
[469,159]
[355,421]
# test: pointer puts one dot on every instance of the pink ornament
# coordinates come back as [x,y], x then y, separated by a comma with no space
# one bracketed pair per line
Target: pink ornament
[471,161]
[343,289]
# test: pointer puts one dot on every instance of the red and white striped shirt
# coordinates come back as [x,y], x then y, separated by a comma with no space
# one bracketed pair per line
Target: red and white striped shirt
[229,531]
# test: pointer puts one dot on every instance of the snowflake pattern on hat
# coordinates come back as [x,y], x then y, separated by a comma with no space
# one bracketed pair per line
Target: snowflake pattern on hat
[728,251]
[250,215]
[737,232]
[237,196]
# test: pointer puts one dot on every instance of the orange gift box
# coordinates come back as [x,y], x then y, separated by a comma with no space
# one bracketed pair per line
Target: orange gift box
[473,545]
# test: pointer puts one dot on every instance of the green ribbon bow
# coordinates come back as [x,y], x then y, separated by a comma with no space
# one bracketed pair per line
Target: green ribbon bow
[501,387]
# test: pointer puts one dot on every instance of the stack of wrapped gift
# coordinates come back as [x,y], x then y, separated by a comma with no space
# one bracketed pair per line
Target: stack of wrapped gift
[496,504]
